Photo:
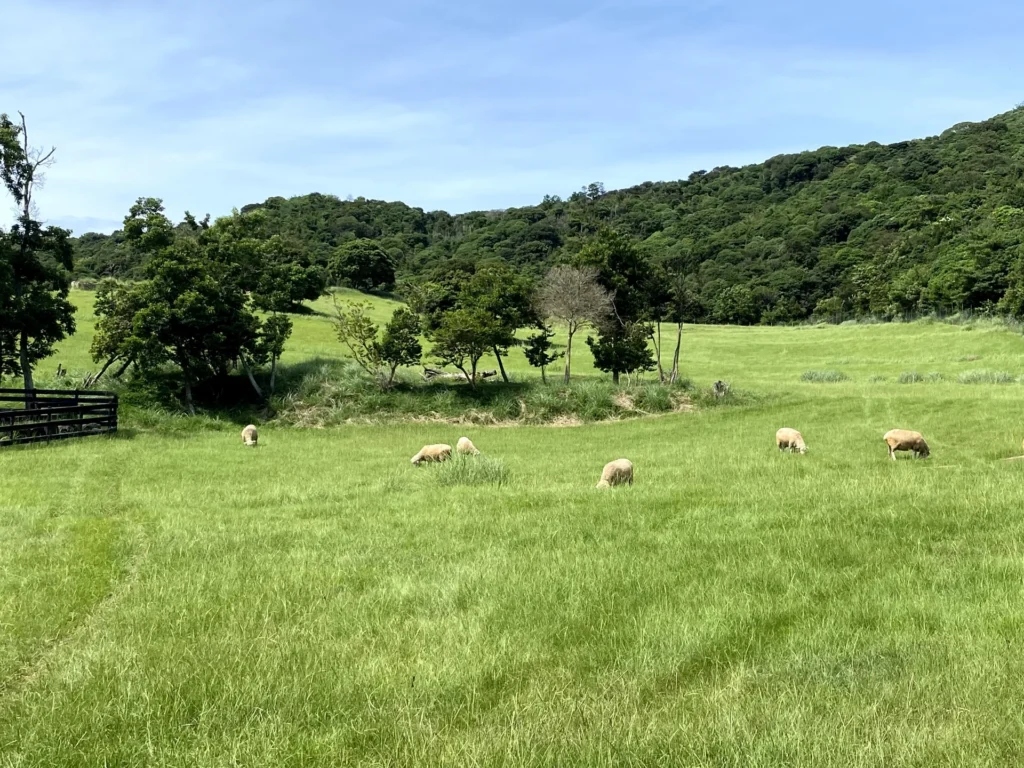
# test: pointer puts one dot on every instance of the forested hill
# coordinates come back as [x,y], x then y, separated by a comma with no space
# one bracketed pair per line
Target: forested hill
[932,225]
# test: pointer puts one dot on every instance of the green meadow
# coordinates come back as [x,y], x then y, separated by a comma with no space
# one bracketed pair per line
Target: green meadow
[172,598]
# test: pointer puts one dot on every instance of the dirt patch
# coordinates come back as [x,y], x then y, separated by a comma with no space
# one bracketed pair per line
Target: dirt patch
[624,401]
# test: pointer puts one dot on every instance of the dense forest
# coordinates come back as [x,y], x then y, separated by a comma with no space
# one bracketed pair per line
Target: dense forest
[927,226]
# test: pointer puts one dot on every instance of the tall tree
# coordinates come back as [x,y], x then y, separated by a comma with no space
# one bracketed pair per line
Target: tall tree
[507,296]
[573,296]
[34,281]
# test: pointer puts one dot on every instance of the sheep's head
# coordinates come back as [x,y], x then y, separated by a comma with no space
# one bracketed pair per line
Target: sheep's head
[802,447]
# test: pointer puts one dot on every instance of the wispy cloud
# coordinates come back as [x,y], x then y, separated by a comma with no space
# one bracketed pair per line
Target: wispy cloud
[467,105]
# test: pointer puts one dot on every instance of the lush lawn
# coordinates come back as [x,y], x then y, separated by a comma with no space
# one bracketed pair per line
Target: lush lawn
[178,600]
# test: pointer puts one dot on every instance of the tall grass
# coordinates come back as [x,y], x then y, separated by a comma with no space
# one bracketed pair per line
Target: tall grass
[470,470]
[986,377]
[824,377]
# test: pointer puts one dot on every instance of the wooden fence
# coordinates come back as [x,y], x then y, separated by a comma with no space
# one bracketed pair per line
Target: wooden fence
[54,414]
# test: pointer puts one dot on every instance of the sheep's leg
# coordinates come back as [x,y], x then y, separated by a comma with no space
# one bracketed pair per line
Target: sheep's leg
[892,453]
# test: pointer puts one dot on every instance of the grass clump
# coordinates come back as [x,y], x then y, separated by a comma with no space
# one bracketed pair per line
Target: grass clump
[986,377]
[824,377]
[471,470]
[913,377]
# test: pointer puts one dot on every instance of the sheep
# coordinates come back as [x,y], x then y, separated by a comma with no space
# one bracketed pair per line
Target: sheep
[438,452]
[465,446]
[249,436]
[906,440]
[791,439]
[616,472]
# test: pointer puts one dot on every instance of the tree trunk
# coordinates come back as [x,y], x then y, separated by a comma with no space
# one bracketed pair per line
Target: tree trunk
[615,378]
[501,367]
[26,366]
[543,375]
[674,376]
[188,396]
[568,357]
[123,368]
[252,379]
[103,370]
[657,352]
[273,373]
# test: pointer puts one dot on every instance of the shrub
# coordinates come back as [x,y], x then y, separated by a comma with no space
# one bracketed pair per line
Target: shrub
[935,376]
[824,377]
[471,470]
[986,377]
[910,377]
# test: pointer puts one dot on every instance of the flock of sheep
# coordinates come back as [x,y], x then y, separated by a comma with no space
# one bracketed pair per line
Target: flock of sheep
[620,471]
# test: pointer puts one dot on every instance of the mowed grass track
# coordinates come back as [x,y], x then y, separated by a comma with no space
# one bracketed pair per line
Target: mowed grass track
[172,600]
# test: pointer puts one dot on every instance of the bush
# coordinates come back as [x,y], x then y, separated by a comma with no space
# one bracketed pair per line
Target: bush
[986,377]
[910,377]
[824,377]
[335,392]
[471,470]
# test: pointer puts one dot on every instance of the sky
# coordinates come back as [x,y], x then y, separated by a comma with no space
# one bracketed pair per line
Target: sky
[471,104]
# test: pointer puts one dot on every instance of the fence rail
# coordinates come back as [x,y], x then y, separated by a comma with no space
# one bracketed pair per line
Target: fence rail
[43,415]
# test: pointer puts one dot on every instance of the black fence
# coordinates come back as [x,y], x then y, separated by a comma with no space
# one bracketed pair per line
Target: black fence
[53,414]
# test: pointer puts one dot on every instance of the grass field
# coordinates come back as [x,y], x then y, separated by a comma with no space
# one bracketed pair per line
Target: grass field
[174,599]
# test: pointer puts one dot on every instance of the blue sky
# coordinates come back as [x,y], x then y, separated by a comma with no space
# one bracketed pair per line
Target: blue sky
[467,105]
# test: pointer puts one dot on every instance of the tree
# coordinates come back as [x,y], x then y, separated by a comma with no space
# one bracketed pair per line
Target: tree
[683,306]
[34,280]
[381,358]
[538,351]
[622,349]
[463,337]
[362,264]
[400,344]
[357,331]
[192,309]
[505,295]
[573,296]
[623,270]
[114,339]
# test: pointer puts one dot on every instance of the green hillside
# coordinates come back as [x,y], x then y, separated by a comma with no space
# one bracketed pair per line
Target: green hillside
[932,225]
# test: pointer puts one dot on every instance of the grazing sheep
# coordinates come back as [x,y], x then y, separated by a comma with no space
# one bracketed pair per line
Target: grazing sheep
[791,439]
[249,436]
[618,472]
[438,452]
[906,440]
[465,446]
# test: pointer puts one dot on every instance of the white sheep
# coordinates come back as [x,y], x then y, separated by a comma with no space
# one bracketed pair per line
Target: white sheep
[906,440]
[437,452]
[249,436]
[618,472]
[791,439]
[465,446]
